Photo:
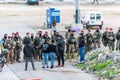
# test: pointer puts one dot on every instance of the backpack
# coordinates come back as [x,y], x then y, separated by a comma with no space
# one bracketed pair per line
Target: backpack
[45,46]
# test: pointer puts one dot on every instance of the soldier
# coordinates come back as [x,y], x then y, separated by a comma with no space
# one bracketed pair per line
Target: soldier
[71,42]
[18,47]
[53,36]
[10,46]
[67,35]
[118,40]
[96,38]
[89,40]
[40,34]
[104,38]
[26,39]
[37,45]
[111,40]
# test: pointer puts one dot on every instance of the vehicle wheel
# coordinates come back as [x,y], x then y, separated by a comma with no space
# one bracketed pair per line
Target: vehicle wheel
[100,27]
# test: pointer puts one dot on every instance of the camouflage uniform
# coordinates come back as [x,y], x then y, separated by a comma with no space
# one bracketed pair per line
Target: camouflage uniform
[37,44]
[118,41]
[105,39]
[10,44]
[18,48]
[111,41]
[67,35]
[89,40]
[54,36]
[71,42]
[96,39]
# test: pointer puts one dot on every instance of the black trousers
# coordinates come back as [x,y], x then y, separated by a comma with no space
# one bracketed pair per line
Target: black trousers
[60,58]
[29,59]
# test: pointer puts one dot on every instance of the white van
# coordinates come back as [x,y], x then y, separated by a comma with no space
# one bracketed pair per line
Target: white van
[93,19]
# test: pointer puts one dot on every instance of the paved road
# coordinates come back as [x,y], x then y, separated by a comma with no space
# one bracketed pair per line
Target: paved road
[63,73]
[7,74]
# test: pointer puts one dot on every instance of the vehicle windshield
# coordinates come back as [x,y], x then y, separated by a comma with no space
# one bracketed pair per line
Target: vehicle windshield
[92,16]
[98,16]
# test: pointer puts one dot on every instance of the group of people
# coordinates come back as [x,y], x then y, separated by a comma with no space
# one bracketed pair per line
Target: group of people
[35,47]
[42,47]
[89,41]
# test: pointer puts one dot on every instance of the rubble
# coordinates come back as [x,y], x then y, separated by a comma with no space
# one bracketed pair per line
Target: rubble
[101,62]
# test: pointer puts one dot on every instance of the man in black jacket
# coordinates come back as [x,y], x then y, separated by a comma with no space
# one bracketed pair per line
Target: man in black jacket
[45,51]
[60,51]
[29,55]
[81,45]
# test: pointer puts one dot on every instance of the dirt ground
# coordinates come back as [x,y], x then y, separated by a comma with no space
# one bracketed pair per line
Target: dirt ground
[35,16]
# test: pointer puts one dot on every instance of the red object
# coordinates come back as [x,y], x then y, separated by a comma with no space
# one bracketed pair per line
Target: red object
[57,66]
[9,36]
[106,28]
[46,32]
[82,31]
[32,79]
[27,33]
[89,30]
[111,29]
[17,32]
[13,33]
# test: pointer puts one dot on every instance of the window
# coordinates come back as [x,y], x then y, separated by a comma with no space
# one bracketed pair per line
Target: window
[92,16]
[98,16]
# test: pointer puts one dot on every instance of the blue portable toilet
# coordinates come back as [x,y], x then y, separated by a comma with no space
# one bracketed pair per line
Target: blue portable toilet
[52,13]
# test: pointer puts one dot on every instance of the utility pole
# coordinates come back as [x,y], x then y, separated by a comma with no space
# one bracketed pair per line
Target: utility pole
[77,11]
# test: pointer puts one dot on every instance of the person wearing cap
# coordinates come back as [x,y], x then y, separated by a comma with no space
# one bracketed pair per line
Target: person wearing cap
[40,34]
[81,45]
[89,40]
[96,38]
[71,42]
[67,35]
[104,37]
[37,44]
[10,46]
[111,40]
[18,47]
[17,35]
[118,40]
[26,38]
